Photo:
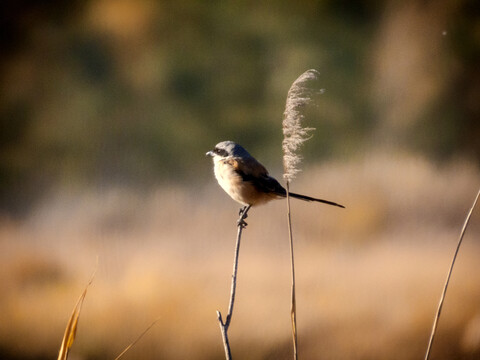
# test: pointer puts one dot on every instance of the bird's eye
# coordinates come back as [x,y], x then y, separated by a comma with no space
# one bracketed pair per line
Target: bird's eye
[220,152]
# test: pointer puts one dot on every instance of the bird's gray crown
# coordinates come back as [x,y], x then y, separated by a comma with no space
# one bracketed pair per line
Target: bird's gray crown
[230,148]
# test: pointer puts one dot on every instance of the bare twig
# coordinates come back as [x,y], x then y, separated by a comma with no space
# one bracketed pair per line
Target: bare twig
[293,308]
[241,224]
[442,298]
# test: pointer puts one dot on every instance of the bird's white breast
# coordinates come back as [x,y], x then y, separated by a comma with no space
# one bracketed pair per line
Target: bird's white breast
[234,185]
[229,180]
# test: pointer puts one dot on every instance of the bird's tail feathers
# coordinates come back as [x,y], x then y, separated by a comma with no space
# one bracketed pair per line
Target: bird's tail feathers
[308,198]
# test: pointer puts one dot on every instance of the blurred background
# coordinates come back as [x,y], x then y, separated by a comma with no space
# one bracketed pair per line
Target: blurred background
[107,108]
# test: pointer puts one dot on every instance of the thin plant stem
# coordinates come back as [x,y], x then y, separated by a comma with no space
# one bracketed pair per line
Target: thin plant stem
[442,298]
[136,340]
[241,224]
[293,308]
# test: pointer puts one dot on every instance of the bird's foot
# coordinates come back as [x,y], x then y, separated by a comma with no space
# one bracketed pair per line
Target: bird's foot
[243,211]
[241,223]
[243,214]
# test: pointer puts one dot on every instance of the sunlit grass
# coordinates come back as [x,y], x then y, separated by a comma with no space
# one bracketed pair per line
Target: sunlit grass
[368,277]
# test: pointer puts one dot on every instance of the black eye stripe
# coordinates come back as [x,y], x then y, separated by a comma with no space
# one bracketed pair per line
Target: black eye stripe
[221,152]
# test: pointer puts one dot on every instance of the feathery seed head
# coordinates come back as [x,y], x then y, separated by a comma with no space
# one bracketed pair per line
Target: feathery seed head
[294,135]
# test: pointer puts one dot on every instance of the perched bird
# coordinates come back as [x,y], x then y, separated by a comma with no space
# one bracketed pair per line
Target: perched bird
[246,180]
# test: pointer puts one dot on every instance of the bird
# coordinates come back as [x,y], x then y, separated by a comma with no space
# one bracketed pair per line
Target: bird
[246,180]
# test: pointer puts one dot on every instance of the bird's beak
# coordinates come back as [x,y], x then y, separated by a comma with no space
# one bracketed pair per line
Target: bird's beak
[210,153]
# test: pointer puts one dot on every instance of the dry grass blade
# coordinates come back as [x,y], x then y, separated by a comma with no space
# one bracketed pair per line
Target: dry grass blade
[136,340]
[71,330]
[442,298]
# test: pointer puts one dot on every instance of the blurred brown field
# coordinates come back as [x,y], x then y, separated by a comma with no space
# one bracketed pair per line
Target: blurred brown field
[368,277]
[107,108]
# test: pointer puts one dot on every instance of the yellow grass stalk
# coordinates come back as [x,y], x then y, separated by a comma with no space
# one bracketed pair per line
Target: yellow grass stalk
[71,330]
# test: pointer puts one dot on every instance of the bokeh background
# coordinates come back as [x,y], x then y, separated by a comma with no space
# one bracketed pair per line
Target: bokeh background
[107,108]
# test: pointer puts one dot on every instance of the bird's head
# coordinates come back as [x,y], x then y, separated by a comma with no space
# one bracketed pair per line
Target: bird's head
[226,149]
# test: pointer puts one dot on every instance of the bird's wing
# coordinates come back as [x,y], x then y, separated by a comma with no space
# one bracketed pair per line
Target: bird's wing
[248,166]
[252,171]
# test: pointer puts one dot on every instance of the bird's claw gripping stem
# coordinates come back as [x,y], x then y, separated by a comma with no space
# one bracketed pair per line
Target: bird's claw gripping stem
[243,213]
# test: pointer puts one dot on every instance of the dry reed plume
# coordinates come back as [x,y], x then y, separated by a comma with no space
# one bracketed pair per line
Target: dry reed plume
[294,135]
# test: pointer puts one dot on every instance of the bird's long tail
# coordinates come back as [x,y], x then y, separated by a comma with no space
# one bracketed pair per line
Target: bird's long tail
[308,198]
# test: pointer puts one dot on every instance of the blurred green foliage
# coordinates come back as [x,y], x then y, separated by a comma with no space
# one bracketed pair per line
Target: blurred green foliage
[135,92]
